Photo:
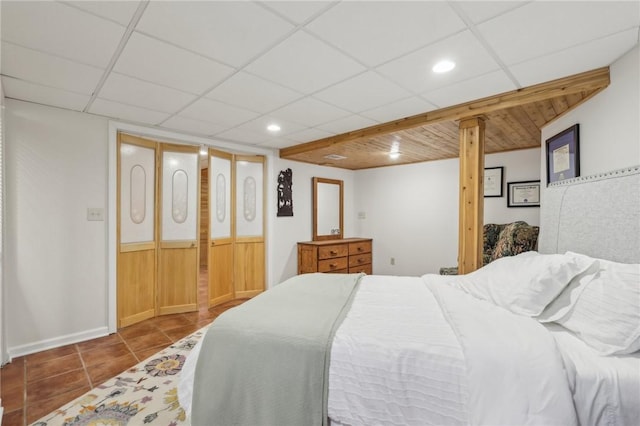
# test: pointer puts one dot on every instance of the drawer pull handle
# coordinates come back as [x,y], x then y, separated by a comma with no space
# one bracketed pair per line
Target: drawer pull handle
[333,265]
[360,260]
[360,248]
[333,253]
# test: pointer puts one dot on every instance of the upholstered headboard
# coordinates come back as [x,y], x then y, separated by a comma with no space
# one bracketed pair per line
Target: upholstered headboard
[595,215]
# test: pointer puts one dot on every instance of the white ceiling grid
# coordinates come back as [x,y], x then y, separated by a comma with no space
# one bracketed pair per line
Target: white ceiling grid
[226,69]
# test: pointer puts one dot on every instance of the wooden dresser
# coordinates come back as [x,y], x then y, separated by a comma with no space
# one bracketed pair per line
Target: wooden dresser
[348,255]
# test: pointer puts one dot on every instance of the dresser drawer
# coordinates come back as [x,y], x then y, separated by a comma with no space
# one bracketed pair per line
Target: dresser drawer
[330,252]
[361,247]
[361,268]
[331,265]
[359,259]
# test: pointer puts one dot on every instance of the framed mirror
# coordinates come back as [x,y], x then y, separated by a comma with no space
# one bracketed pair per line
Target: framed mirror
[327,209]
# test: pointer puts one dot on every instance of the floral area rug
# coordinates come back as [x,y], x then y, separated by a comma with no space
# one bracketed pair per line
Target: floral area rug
[144,394]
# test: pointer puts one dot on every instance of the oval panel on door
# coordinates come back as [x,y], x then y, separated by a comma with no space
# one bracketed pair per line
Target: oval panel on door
[179,196]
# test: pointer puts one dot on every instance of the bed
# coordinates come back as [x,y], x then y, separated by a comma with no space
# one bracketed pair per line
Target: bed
[548,337]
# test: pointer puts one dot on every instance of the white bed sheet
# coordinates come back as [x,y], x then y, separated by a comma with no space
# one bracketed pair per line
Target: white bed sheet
[606,389]
[395,360]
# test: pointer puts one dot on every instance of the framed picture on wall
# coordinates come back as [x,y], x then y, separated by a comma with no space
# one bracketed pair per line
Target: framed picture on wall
[563,155]
[493,181]
[523,194]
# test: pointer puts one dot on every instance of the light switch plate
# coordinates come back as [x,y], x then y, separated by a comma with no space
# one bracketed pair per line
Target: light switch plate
[95,214]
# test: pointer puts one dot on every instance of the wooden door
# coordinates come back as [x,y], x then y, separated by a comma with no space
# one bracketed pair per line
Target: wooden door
[136,230]
[249,253]
[179,217]
[221,224]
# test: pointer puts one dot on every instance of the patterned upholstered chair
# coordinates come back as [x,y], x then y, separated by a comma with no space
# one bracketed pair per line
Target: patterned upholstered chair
[503,240]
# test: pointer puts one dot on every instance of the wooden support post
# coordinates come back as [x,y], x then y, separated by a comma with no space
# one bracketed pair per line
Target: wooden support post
[471,215]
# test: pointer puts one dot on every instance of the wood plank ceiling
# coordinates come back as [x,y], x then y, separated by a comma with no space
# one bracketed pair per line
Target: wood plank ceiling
[513,121]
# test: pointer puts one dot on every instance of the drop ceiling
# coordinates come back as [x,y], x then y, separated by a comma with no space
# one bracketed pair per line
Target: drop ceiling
[226,69]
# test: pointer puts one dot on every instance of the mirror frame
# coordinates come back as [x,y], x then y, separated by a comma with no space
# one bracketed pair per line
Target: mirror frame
[316,237]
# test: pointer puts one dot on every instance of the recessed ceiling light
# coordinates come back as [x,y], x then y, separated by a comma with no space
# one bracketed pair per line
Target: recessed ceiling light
[334,157]
[444,66]
[273,127]
[394,152]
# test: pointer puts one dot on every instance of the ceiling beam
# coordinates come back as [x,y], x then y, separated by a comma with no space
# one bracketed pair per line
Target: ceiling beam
[595,80]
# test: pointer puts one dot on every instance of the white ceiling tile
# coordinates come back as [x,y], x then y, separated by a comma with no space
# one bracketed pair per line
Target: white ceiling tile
[259,126]
[541,28]
[585,57]
[25,91]
[61,30]
[309,135]
[192,126]
[304,63]
[278,143]
[126,112]
[362,92]
[400,109]
[480,11]
[119,11]
[297,11]
[230,31]
[469,90]
[250,92]
[217,113]
[374,32]
[413,71]
[132,91]
[310,112]
[347,124]
[243,136]
[159,62]
[41,68]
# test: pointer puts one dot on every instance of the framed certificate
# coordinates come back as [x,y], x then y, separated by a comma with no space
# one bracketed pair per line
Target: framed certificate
[523,194]
[493,182]
[563,155]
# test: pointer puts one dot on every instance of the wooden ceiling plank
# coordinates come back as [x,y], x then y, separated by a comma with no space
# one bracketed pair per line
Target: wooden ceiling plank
[587,81]
[546,108]
[560,104]
[526,122]
[511,121]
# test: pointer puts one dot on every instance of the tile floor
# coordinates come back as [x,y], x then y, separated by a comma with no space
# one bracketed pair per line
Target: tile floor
[34,385]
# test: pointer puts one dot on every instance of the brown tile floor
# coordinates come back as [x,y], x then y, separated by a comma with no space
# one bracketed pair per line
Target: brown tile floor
[36,384]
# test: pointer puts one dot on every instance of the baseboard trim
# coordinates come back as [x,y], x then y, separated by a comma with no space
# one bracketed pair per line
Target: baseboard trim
[56,342]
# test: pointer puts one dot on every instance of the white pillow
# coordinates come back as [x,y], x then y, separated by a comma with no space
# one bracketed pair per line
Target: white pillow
[602,309]
[524,284]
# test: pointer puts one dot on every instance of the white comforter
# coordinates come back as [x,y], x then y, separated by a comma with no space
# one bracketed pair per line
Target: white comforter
[416,351]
